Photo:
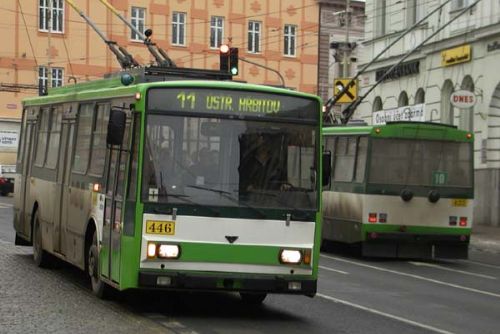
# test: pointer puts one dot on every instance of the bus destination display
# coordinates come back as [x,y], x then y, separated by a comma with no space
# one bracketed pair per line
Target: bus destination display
[202,100]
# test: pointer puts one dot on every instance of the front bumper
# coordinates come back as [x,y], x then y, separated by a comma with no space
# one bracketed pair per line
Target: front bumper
[227,283]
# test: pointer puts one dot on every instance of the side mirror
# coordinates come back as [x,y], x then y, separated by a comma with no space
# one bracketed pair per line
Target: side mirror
[327,167]
[116,127]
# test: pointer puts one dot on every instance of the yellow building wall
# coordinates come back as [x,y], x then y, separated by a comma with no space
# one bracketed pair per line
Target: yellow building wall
[82,54]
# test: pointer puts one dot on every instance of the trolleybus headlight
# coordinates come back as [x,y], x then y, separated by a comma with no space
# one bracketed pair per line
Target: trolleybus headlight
[151,250]
[291,256]
[168,251]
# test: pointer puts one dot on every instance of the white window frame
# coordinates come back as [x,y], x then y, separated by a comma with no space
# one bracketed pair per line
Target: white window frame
[254,36]
[416,11]
[57,25]
[57,76]
[138,22]
[179,28]
[290,40]
[216,31]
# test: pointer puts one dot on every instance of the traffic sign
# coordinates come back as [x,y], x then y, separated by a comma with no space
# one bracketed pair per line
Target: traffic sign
[349,94]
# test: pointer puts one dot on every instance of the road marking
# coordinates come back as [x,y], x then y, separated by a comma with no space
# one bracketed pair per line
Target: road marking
[414,276]
[334,270]
[481,264]
[424,264]
[387,315]
[5,206]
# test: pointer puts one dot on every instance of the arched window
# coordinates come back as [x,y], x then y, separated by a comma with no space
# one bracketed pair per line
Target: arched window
[403,99]
[467,115]
[377,104]
[420,96]
[446,107]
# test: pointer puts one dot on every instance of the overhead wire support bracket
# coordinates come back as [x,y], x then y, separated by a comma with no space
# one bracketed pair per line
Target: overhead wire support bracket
[352,107]
[158,53]
[125,59]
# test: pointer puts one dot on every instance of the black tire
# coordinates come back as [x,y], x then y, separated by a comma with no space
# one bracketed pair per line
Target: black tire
[253,298]
[99,288]
[40,256]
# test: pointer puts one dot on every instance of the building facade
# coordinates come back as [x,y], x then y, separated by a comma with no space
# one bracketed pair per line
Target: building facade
[333,26]
[461,57]
[282,35]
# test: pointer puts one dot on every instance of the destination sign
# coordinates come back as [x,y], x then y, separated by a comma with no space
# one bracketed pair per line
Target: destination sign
[231,102]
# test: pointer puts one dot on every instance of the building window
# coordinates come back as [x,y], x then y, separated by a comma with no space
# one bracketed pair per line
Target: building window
[254,29]
[57,76]
[54,21]
[403,99]
[290,39]
[380,17]
[415,12]
[138,19]
[459,4]
[178,28]
[216,31]
[420,96]
[377,104]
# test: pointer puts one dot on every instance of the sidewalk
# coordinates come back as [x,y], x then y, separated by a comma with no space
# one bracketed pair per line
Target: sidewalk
[486,238]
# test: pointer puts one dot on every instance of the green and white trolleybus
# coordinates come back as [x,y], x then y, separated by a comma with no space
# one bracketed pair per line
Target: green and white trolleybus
[180,184]
[404,189]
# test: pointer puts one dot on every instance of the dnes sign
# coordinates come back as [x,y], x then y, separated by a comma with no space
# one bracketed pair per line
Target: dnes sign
[463,99]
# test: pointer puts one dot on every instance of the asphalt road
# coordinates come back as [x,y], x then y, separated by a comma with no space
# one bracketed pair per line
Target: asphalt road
[355,296]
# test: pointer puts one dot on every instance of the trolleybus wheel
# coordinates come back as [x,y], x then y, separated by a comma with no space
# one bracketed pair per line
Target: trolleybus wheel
[42,258]
[99,288]
[253,298]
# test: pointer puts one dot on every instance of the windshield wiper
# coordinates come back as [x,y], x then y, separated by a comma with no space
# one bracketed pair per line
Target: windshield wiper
[184,198]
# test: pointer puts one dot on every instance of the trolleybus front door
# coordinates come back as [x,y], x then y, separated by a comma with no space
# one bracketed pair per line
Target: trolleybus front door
[113,212]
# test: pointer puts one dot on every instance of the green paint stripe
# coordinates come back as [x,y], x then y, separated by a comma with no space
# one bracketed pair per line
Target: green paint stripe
[381,228]
[236,254]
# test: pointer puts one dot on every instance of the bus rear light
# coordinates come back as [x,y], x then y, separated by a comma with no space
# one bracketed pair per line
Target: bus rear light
[469,135]
[373,235]
[382,217]
[96,187]
[463,238]
[453,221]
[463,221]
[151,250]
[372,217]
[377,130]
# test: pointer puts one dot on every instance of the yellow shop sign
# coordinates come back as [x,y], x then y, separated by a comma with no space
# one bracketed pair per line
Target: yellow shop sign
[460,54]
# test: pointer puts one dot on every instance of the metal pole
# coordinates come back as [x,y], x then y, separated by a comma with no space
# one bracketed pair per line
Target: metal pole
[267,68]
[346,47]
[329,104]
[350,109]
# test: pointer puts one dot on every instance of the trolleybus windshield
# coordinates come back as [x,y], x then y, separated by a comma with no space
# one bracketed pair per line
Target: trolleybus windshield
[262,156]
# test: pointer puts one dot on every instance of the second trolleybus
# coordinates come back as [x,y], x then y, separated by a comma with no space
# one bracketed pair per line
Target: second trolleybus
[403,189]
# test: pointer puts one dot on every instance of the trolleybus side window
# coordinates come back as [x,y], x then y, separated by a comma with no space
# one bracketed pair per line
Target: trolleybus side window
[361,159]
[84,133]
[135,157]
[99,130]
[345,154]
[43,132]
[54,138]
